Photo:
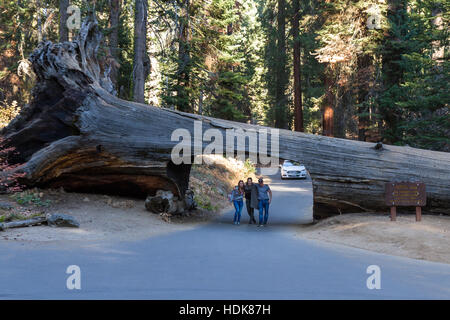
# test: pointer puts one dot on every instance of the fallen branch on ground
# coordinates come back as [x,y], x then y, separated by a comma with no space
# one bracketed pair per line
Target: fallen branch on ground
[22,223]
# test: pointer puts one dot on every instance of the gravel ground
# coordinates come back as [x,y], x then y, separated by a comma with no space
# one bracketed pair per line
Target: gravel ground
[425,240]
[101,218]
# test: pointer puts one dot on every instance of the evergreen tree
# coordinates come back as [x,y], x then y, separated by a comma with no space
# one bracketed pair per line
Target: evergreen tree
[414,103]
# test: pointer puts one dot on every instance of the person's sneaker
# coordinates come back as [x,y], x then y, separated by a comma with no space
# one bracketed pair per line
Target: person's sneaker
[238,222]
[260,225]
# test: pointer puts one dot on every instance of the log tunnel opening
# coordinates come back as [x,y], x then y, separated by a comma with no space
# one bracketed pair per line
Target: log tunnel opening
[320,208]
[294,187]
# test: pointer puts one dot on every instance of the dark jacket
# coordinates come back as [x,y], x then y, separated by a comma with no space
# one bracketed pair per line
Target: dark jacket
[251,193]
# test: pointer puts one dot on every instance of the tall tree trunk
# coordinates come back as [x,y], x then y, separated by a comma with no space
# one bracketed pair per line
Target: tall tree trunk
[328,108]
[343,111]
[183,78]
[281,120]
[141,63]
[200,103]
[39,20]
[114,16]
[63,31]
[364,62]
[298,106]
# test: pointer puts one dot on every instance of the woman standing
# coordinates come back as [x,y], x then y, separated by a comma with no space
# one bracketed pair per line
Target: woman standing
[237,197]
[251,199]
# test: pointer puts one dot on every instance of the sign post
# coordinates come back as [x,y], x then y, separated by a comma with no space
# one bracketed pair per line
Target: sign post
[405,194]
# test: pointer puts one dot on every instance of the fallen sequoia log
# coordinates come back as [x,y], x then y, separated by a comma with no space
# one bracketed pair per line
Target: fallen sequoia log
[75,134]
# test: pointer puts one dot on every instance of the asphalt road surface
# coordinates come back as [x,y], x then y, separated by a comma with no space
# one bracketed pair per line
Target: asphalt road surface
[221,261]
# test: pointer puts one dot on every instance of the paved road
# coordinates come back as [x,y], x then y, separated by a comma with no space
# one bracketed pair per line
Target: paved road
[221,261]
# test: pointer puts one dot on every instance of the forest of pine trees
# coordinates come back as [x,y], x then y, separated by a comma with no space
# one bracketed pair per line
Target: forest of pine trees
[370,70]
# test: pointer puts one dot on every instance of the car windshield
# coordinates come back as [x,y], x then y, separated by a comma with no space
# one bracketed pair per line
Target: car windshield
[290,164]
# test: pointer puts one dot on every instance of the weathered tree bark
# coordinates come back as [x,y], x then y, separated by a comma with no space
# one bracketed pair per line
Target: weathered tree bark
[364,63]
[184,58]
[63,31]
[22,223]
[328,109]
[39,20]
[76,135]
[141,62]
[114,20]
[281,77]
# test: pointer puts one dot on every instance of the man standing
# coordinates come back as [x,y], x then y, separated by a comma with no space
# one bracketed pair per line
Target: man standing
[264,200]
[251,200]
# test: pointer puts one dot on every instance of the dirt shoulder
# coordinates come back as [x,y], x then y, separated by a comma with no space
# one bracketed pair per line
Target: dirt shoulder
[425,240]
[101,218]
[114,218]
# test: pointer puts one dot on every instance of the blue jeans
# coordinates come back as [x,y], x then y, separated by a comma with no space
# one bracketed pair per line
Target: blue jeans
[238,205]
[263,205]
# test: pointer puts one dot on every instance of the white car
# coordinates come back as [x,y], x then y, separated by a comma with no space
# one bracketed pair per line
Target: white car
[293,170]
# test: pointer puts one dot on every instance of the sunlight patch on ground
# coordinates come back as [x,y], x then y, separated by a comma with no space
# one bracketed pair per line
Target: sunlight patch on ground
[282,188]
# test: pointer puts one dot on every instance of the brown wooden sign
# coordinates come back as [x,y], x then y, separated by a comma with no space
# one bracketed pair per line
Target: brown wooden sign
[405,194]
[401,194]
